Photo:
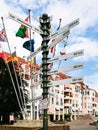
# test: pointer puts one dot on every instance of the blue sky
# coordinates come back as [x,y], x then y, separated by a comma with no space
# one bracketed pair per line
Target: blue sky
[83,36]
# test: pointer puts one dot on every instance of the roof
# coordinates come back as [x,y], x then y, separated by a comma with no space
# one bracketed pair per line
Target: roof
[63,76]
[82,85]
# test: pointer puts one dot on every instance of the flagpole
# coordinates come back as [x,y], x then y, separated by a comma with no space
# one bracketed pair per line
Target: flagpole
[14,71]
[32,89]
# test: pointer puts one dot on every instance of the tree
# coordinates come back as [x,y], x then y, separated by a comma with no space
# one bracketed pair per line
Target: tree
[8,99]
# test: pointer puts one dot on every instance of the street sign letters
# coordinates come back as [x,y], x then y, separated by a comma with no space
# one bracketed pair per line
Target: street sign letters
[65,28]
[67,56]
[67,68]
[65,81]
[21,21]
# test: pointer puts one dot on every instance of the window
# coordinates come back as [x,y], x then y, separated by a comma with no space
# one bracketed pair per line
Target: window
[61,102]
[52,100]
[57,102]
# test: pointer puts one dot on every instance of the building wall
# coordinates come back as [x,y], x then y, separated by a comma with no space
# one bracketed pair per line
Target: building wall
[63,99]
[88,101]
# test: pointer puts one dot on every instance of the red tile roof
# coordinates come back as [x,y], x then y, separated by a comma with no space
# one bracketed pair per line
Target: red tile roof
[63,76]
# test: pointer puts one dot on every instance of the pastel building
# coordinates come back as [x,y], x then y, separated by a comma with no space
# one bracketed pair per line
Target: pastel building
[56,101]
[65,102]
[89,102]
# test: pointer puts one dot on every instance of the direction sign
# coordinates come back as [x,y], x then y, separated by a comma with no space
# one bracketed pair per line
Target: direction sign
[68,68]
[67,56]
[59,38]
[65,28]
[65,81]
[43,104]
[21,21]
[64,69]
[53,42]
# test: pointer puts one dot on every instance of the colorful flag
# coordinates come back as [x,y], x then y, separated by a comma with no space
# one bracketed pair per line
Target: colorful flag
[52,48]
[23,30]
[3,35]
[1,51]
[29,45]
[62,52]
[12,57]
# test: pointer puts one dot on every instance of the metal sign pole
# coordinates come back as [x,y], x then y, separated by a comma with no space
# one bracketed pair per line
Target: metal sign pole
[45,28]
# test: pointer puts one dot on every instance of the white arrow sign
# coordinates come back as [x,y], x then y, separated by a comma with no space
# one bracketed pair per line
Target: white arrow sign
[67,56]
[68,68]
[52,42]
[66,27]
[21,21]
[57,36]
[65,81]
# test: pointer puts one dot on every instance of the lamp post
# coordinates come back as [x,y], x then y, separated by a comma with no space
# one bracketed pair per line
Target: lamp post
[45,28]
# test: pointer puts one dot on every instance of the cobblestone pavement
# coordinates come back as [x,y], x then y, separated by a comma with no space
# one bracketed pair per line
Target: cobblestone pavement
[82,125]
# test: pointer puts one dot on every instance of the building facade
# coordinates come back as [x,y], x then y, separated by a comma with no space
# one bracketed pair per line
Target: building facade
[65,102]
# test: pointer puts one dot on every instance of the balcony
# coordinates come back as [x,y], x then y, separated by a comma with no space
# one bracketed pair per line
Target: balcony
[67,90]
[67,104]
[68,97]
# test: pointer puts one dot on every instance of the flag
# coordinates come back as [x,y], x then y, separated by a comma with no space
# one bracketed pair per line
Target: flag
[12,57]
[27,45]
[23,31]
[1,52]
[3,35]
[62,52]
[52,48]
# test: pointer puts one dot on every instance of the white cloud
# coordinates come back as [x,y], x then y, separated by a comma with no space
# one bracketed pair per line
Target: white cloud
[86,11]
[92,81]
[90,48]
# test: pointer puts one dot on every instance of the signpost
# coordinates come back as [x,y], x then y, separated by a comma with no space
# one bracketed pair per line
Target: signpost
[51,39]
[52,42]
[57,36]
[65,81]
[65,28]
[68,68]
[67,56]
[21,21]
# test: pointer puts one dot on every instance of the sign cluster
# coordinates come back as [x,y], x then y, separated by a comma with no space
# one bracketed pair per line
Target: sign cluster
[55,38]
